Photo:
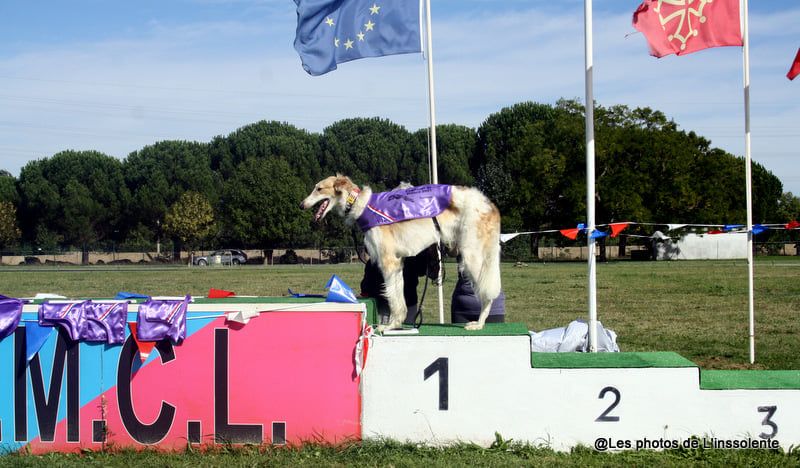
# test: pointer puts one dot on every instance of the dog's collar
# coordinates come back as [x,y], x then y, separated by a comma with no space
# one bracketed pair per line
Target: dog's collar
[352,196]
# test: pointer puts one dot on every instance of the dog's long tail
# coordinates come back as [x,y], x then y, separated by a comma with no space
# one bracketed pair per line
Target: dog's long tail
[489,275]
[479,243]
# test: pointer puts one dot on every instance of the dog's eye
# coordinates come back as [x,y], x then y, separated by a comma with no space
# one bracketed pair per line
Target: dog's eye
[319,189]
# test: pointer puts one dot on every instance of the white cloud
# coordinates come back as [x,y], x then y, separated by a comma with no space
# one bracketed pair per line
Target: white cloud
[198,80]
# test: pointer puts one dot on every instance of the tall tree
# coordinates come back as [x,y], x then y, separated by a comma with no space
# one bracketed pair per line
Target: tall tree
[788,208]
[260,205]
[530,159]
[159,174]
[78,194]
[8,188]
[767,195]
[190,219]
[269,140]
[371,151]
[455,145]
[523,162]
[9,232]
[625,139]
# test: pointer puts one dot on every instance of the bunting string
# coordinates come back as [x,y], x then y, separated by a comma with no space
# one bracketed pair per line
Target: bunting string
[615,229]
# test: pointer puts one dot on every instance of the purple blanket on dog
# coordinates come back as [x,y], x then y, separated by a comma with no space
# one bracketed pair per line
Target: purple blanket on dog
[425,201]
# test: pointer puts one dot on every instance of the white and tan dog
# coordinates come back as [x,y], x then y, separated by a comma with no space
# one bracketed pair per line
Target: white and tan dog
[470,224]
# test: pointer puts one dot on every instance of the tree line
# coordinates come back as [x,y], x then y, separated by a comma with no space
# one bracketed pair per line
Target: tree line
[243,189]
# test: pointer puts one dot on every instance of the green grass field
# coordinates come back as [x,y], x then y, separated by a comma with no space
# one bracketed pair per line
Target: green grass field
[695,308]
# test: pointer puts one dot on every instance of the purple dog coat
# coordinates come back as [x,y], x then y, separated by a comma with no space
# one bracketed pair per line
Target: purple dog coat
[104,322]
[67,315]
[425,201]
[10,313]
[159,319]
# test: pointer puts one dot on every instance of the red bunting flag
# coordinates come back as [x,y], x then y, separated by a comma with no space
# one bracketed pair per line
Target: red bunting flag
[683,27]
[792,225]
[145,347]
[716,231]
[570,233]
[616,228]
[795,70]
[214,293]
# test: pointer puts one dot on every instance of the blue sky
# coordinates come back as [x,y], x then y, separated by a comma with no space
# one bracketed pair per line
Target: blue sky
[117,76]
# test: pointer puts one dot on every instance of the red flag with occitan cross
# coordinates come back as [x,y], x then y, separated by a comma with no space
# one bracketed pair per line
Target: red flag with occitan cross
[684,26]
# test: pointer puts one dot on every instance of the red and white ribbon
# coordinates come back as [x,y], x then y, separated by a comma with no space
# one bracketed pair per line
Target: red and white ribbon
[362,348]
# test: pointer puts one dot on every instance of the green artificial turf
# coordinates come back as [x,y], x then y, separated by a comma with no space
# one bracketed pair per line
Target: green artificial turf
[750,379]
[609,360]
[489,329]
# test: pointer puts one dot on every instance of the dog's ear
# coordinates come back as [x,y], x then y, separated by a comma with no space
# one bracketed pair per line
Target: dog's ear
[342,184]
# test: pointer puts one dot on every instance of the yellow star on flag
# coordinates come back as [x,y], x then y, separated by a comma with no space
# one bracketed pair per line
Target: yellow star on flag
[329,21]
[360,36]
[369,25]
[336,42]
[348,44]
[374,9]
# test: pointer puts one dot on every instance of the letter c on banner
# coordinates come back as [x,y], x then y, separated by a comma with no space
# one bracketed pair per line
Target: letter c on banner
[140,432]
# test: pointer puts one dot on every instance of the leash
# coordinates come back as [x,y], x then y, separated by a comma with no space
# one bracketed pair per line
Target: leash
[418,319]
[440,275]
[359,253]
[440,253]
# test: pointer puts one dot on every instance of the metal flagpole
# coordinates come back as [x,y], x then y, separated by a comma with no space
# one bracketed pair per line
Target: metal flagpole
[432,136]
[587,6]
[748,178]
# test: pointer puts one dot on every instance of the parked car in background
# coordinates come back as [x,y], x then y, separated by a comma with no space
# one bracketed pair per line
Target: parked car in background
[223,256]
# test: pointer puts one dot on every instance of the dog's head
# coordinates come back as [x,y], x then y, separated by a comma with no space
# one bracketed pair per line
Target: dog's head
[332,192]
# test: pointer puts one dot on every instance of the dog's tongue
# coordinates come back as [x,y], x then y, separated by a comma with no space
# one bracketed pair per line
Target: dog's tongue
[321,209]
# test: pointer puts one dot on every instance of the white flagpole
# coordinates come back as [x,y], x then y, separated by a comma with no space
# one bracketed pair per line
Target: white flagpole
[432,136]
[587,5]
[748,180]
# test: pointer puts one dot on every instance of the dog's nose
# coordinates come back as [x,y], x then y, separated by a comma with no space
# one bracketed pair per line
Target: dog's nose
[302,206]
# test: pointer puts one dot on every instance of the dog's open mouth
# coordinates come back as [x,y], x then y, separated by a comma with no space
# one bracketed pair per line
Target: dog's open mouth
[321,209]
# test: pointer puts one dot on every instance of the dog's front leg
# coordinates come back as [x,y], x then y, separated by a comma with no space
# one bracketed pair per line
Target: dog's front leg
[393,292]
[486,307]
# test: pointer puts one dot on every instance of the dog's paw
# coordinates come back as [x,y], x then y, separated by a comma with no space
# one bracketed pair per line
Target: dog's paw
[471,326]
[389,326]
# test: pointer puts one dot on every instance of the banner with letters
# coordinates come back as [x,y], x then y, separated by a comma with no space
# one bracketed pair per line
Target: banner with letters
[283,376]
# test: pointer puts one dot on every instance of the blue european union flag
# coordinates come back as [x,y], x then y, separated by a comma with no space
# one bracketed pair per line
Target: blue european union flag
[330,32]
